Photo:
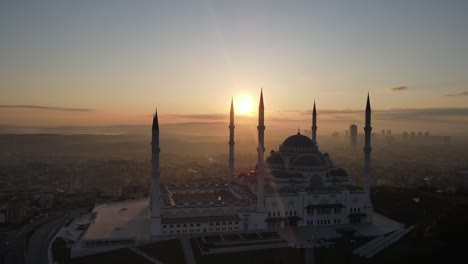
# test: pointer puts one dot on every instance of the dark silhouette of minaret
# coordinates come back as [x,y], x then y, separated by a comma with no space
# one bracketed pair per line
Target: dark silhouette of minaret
[314,124]
[367,153]
[155,206]
[231,142]
[260,171]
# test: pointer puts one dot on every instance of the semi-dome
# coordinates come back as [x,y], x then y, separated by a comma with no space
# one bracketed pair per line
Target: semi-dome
[309,161]
[274,158]
[339,172]
[297,175]
[298,141]
[279,174]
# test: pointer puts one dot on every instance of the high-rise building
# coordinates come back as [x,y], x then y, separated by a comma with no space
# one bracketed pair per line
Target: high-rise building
[353,136]
[405,135]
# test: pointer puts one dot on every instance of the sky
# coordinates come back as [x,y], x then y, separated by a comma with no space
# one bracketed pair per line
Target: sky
[112,62]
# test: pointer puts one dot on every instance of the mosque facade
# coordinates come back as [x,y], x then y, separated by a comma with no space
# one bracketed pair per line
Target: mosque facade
[296,185]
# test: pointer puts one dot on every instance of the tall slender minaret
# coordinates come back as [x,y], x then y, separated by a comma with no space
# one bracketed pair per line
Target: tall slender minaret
[155,206]
[367,152]
[314,124]
[260,172]
[231,142]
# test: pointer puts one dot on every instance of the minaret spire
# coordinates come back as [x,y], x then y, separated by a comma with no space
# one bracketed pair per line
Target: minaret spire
[314,124]
[260,171]
[155,205]
[155,120]
[367,153]
[231,142]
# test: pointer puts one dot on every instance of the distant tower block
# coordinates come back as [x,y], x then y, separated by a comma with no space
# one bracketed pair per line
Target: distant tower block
[405,135]
[383,132]
[231,142]
[389,132]
[353,136]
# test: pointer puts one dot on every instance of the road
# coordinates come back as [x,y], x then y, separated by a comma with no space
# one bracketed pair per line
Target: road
[40,240]
[17,242]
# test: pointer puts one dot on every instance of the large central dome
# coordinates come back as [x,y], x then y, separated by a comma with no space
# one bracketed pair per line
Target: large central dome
[298,141]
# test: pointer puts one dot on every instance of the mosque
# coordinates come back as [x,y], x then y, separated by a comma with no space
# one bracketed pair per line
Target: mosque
[295,186]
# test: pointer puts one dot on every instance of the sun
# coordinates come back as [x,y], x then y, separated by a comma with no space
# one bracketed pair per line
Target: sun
[244,106]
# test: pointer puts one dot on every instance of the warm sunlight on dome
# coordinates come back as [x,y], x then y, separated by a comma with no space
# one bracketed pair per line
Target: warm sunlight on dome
[244,106]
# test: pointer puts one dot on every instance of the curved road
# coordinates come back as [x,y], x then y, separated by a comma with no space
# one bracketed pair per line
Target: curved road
[39,244]
[37,251]
[17,242]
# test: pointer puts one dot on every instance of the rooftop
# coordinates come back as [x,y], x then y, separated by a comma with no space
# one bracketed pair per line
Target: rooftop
[119,220]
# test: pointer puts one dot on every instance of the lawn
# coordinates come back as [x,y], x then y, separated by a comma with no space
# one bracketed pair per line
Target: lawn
[270,256]
[440,235]
[119,256]
[169,251]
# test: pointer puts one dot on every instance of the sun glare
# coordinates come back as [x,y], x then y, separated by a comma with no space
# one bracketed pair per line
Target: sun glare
[244,106]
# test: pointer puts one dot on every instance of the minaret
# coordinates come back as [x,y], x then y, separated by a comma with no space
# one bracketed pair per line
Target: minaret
[155,207]
[260,172]
[231,142]
[367,152]
[314,124]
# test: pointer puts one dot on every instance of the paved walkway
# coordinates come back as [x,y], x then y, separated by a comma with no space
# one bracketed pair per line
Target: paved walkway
[188,252]
[146,256]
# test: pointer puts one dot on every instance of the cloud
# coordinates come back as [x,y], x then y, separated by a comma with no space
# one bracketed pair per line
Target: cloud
[465,93]
[407,114]
[201,116]
[441,115]
[399,89]
[41,107]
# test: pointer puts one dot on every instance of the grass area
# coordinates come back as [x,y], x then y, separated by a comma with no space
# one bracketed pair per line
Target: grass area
[268,235]
[251,236]
[119,256]
[270,256]
[213,238]
[3,248]
[241,244]
[438,238]
[398,204]
[169,251]
[232,237]
[441,232]
[3,236]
